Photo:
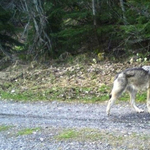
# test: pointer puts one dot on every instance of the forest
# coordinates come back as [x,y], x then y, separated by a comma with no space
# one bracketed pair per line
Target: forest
[31,29]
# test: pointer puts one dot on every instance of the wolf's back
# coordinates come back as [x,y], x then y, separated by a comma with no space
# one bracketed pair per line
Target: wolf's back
[138,78]
[136,72]
[147,68]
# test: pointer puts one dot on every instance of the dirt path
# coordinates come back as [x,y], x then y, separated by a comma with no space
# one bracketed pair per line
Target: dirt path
[54,117]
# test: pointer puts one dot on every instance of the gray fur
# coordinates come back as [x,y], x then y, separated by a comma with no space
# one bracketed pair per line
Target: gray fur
[147,68]
[131,80]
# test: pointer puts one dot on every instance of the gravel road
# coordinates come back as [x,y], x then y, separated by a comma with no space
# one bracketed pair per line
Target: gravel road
[54,117]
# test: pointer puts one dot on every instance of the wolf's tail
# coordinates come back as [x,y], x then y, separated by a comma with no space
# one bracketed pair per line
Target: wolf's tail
[110,95]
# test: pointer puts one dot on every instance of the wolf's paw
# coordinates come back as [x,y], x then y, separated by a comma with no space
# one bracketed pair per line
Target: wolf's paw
[107,113]
[148,107]
[149,110]
[140,110]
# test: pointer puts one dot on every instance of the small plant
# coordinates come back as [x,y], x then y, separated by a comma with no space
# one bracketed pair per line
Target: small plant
[104,89]
[68,134]
[4,127]
[17,95]
[140,97]
[28,131]
[82,134]
[114,139]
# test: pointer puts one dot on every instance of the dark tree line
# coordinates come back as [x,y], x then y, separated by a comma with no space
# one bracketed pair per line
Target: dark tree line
[39,28]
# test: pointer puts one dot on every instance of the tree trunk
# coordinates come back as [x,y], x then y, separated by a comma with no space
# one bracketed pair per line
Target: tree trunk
[123,11]
[94,12]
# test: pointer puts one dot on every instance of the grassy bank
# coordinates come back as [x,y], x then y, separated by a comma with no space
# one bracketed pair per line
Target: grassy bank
[78,79]
[82,94]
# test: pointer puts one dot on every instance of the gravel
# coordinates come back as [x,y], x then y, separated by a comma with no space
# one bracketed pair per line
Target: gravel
[54,117]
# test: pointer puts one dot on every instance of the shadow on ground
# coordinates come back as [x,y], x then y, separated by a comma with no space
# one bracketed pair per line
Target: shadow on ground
[131,118]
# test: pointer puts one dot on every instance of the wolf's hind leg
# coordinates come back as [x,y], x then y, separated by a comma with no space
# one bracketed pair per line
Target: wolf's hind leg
[132,93]
[118,87]
[114,95]
[110,103]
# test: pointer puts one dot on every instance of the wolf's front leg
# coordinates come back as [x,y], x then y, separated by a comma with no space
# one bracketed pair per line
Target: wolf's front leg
[132,93]
[148,100]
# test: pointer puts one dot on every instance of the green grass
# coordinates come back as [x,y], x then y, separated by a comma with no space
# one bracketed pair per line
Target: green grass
[82,134]
[81,94]
[140,97]
[27,131]
[4,127]
[16,96]
[68,134]
[114,139]
[124,97]
[104,88]
[29,95]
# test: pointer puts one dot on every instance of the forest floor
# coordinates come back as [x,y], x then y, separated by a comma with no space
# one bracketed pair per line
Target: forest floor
[61,106]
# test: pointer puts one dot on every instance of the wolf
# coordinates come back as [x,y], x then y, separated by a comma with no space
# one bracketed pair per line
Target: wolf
[131,80]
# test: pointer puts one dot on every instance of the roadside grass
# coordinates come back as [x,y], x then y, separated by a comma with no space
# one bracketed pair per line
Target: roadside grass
[87,134]
[82,94]
[82,134]
[28,131]
[4,127]
[114,140]
[140,97]
[25,96]
[68,94]
[68,134]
